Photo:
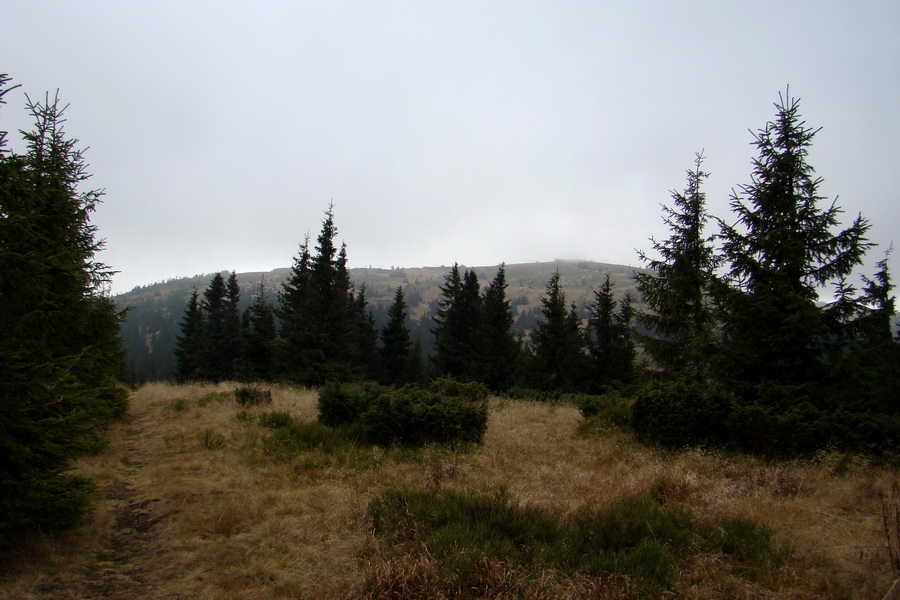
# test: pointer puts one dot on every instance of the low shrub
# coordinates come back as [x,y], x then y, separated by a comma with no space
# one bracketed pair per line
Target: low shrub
[252,396]
[607,410]
[682,413]
[274,420]
[296,438]
[634,541]
[412,416]
[447,411]
[344,403]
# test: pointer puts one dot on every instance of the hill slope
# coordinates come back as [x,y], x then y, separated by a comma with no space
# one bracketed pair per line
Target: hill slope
[156,310]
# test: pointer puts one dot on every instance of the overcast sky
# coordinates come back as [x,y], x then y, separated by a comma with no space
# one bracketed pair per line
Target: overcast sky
[470,132]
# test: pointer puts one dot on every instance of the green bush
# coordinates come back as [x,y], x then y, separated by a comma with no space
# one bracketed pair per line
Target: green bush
[274,420]
[252,396]
[447,411]
[344,403]
[608,409]
[682,413]
[412,416]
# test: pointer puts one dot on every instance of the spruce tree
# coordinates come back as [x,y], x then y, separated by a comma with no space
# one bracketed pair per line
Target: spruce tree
[500,352]
[258,339]
[609,328]
[681,317]
[189,346]
[782,251]
[395,342]
[60,354]
[445,330]
[231,350]
[557,343]
[321,316]
[216,331]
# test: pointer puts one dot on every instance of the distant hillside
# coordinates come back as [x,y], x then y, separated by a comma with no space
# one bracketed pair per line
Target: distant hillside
[156,310]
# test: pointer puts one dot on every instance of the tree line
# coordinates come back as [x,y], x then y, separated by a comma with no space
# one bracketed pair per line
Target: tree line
[758,322]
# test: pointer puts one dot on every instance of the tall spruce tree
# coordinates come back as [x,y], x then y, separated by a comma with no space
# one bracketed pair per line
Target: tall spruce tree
[558,343]
[500,351]
[258,339]
[782,251]
[317,306]
[189,345]
[680,315]
[395,343]
[231,350]
[214,360]
[59,351]
[609,336]
[457,328]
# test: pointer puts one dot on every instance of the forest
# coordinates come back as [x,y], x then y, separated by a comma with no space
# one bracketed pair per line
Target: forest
[750,333]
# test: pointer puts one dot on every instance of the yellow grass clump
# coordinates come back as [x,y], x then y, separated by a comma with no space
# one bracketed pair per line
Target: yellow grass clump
[190,505]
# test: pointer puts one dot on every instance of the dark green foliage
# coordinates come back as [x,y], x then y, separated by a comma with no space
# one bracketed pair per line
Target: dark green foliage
[457,327]
[447,412]
[274,420]
[60,355]
[609,338]
[558,359]
[680,316]
[608,410]
[682,413]
[258,340]
[189,345]
[396,345]
[288,441]
[252,396]
[500,351]
[216,332]
[781,251]
[326,332]
[635,539]
[344,403]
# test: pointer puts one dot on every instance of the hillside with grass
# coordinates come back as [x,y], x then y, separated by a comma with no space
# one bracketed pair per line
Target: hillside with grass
[156,309]
[202,496]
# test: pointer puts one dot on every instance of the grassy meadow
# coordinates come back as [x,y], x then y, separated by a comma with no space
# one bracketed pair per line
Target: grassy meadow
[202,498]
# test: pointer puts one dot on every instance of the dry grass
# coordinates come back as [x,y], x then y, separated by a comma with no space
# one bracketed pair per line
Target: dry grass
[181,517]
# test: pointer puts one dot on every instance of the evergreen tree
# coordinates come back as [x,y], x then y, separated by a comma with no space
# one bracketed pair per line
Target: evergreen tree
[216,331]
[782,251]
[681,317]
[610,343]
[60,355]
[258,335]
[365,337]
[295,336]
[457,329]
[231,350]
[396,344]
[557,343]
[189,347]
[499,349]
[321,316]
[446,339]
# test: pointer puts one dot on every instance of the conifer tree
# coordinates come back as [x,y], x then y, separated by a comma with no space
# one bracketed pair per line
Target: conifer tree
[189,346]
[781,252]
[680,316]
[320,314]
[457,329]
[557,343]
[216,331]
[500,352]
[258,335]
[365,352]
[395,342]
[60,353]
[231,350]
[611,347]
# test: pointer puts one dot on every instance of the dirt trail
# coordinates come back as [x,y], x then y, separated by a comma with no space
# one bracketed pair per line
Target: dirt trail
[118,571]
